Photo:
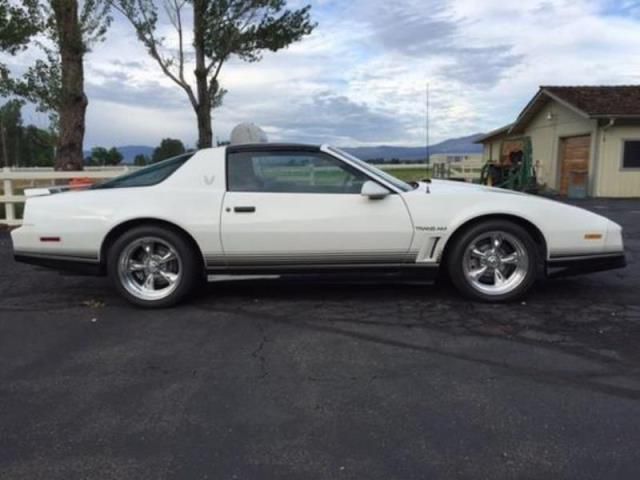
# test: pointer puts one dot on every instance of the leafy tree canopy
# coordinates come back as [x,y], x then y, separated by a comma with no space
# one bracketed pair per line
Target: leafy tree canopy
[33,22]
[169,147]
[102,157]
[18,23]
[141,160]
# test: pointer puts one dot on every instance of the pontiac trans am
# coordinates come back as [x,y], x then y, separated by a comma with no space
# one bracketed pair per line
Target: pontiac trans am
[281,208]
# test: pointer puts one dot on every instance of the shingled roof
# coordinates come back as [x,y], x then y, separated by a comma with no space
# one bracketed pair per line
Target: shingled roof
[587,101]
[600,101]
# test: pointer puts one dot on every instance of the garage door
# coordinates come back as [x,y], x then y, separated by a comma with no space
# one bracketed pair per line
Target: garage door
[574,167]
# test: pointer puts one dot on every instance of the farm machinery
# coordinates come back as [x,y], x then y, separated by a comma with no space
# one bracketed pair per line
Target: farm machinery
[514,170]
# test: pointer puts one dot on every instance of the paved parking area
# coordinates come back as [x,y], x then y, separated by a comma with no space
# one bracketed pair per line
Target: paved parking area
[298,379]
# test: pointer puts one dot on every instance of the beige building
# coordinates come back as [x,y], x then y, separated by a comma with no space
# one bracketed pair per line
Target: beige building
[585,140]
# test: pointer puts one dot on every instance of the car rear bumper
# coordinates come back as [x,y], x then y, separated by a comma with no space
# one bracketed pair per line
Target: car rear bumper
[78,265]
[577,265]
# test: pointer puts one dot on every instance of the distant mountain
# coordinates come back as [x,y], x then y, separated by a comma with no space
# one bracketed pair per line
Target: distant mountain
[453,145]
[129,152]
[459,145]
[387,153]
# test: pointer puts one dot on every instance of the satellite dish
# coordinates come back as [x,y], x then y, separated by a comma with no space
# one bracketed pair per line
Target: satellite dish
[247,133]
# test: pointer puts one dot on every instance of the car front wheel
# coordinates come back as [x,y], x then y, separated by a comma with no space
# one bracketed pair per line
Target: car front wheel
[494,261]
[153,267]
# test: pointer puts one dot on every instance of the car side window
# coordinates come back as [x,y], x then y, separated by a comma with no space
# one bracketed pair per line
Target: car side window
[292,172]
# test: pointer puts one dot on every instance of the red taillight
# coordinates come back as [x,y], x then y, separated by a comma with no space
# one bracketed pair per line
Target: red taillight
[80,183]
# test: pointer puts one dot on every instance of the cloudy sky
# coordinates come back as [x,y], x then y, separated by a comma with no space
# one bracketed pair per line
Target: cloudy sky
[360,79]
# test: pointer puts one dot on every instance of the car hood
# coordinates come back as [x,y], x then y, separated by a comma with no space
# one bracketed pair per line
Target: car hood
[450,186]
[488,200]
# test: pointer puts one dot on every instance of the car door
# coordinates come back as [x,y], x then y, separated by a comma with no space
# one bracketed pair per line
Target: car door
[302,206]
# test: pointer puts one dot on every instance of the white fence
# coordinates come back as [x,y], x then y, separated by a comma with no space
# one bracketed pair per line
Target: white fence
[466,172]
[15,180]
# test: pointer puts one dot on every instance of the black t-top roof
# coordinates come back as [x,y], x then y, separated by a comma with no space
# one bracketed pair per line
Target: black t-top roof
[273,147]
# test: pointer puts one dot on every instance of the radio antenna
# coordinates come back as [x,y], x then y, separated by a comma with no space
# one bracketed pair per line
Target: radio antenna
[428,161]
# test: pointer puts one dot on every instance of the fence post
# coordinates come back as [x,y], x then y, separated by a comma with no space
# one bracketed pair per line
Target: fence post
[9,207]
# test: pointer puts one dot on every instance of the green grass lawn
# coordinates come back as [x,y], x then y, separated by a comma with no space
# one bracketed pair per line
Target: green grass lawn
[409,174]
[334,176]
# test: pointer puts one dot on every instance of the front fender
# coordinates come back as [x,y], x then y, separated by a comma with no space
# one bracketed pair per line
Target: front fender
[565,229]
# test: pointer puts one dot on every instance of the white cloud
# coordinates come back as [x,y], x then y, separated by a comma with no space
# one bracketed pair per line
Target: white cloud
[360,78]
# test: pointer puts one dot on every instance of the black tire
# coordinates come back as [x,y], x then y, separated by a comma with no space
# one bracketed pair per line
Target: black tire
[189,260]
[456,258]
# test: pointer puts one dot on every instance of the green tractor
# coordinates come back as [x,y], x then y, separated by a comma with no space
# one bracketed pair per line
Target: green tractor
[514,171]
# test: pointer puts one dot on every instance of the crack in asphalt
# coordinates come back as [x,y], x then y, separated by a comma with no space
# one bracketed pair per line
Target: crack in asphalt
[582,380]
[258,352]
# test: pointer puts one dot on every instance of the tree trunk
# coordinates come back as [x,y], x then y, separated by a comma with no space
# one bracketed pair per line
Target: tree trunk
[203,109]
[205,130]
[73,101]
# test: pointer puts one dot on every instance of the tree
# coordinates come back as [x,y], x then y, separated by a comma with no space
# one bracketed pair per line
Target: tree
[37,148]
[115,157]
[100,156]
[10,132]
[221,29]
[55,83]
[169,147]
[20,145]
[141,160]
[18,24]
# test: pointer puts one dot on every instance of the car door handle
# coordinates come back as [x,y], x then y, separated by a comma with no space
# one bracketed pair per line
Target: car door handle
[244,209]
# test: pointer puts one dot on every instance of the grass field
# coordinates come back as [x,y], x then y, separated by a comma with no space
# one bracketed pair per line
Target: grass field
[330,176]
[409,174]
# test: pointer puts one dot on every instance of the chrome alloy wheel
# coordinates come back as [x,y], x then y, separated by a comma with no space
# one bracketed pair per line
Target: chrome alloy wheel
[495,263]
[150,268]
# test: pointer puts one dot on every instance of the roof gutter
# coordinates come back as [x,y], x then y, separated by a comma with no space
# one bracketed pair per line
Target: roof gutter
[617,116]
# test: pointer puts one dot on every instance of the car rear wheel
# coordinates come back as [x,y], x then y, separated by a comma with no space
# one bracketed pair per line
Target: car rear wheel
[153,267]
[494,261]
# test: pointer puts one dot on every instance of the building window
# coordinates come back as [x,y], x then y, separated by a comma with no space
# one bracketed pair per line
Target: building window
[631,154]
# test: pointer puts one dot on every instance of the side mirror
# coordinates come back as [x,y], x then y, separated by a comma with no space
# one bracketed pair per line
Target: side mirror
[374,190]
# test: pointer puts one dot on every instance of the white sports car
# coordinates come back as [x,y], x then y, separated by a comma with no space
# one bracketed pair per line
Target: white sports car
[280,208]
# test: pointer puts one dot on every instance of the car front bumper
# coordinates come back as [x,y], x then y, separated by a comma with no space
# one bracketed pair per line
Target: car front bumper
[577,265]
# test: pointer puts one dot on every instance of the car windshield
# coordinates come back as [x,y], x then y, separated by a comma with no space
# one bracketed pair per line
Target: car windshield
[148,176]
[396,182]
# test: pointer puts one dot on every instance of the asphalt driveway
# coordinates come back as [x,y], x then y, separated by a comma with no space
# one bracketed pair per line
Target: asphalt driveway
[300,379]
